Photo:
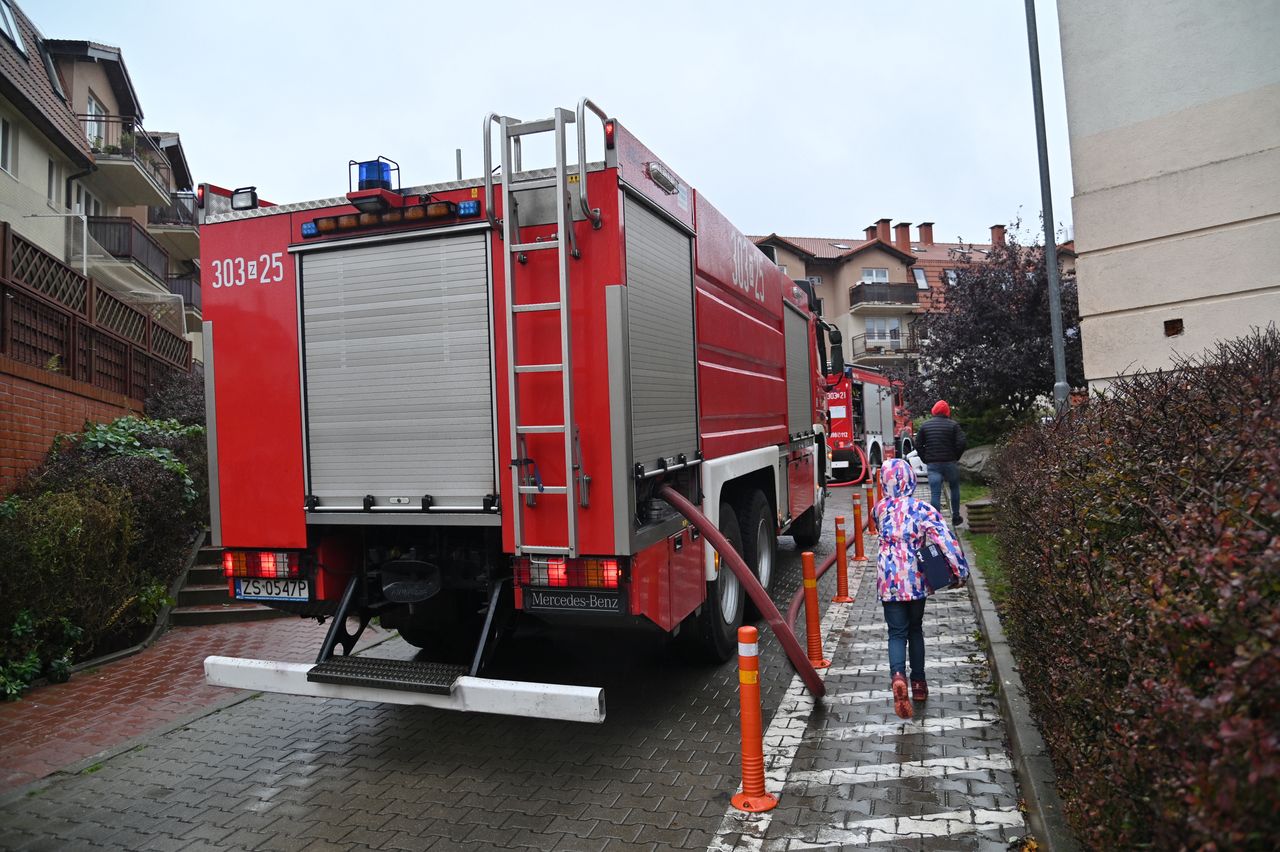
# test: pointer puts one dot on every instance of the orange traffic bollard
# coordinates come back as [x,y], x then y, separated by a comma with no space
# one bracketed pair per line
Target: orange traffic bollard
[753,797]
[879,488]
[842,565]
[858,554]
[811,628]
[871,509]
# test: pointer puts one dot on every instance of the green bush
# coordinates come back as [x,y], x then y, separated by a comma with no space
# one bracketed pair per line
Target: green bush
[1141,537]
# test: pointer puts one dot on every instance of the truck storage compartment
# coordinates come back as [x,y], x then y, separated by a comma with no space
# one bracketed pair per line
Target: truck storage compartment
[398,379]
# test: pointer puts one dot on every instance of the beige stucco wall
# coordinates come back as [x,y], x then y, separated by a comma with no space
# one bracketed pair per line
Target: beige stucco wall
[1173,111]
[80,78]
[25,190]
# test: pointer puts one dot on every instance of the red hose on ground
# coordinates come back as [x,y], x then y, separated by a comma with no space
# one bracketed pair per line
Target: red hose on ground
[866,468]
[729,556]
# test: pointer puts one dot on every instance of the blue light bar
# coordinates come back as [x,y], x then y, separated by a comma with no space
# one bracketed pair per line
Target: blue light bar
[469,208]
[309,229]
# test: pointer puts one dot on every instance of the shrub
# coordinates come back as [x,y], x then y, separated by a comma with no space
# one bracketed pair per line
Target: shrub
[177,395]
[1141,536]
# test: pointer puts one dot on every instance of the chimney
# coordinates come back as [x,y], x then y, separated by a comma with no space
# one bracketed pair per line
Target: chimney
[926,233]
[871,232]
[997,235]
[882,229]
[902,236]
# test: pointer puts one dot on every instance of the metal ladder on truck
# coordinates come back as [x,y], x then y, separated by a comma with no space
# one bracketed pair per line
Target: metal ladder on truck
[525,480]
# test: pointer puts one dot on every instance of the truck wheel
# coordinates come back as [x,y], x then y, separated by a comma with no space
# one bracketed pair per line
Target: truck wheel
[807,529]
[759,542]
[721,615]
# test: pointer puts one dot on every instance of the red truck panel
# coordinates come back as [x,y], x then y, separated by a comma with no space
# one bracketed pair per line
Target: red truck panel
[741,350]
[667,579]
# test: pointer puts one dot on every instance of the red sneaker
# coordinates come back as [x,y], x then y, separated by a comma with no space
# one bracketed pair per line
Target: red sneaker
[901,703]
[919,690]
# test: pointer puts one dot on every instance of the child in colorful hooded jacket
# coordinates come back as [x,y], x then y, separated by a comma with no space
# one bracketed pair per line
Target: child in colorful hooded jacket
[906,525]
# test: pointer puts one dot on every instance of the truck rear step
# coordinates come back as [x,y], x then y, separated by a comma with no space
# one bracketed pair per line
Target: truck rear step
[410,675]
[468,694]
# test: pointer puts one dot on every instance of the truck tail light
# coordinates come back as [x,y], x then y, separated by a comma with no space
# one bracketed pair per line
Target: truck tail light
[561,573]
[267,564]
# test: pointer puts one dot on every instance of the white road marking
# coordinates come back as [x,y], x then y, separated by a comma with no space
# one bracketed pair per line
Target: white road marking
[883,666]
[782,742]
[928,642]
[915,726]
[937,766]
[890,829]
[876,695]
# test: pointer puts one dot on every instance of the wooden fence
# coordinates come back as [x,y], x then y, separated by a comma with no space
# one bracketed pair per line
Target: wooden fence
[53,317]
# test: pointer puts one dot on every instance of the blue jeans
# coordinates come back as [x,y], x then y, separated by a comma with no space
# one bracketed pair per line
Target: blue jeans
[905,620]
[950,471]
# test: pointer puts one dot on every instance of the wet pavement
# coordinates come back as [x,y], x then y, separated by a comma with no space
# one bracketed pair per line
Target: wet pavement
[283,772]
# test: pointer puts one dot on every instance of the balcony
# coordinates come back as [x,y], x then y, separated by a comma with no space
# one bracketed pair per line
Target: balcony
[131,170]
[174,226]
[188,287]
[871,297]
[128,242]
[884,346]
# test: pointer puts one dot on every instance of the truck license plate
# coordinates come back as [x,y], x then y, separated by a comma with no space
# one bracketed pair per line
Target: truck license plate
[255,589]
[836,464]
[562,600]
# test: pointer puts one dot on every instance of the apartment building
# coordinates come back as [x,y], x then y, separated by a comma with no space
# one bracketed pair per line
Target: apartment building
[1173,115]
[873,287]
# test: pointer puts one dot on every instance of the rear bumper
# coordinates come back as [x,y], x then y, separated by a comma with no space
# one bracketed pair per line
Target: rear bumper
[469,695]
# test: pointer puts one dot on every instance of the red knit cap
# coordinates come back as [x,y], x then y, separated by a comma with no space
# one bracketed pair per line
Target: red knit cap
[941,407]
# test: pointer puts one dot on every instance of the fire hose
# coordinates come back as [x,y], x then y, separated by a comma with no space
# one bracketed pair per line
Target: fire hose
[759,597]
[866,470]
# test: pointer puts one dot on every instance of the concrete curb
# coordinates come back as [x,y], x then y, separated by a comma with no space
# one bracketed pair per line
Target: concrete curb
[1030,756]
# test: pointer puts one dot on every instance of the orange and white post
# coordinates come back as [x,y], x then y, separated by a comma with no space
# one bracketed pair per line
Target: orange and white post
[858,554]
[753,797]
[871,508]
[879,487]
[812,630]
[842,565]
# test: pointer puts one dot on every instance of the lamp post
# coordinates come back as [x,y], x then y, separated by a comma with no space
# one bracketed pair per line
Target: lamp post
[1060,387]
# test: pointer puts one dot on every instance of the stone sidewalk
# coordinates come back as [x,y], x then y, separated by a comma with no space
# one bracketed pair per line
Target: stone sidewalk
[100,709]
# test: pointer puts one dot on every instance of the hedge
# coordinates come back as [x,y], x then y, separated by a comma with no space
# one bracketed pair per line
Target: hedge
[1141,536]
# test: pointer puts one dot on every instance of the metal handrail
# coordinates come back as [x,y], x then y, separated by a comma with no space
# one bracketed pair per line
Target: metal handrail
[592,214]
[490,120]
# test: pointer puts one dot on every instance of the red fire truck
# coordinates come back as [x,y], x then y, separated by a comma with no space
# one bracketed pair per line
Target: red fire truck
[869,422]
[448,405]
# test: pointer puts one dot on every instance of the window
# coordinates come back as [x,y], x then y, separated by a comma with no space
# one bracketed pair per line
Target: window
[815,280]
[922,283]
[86,203]
[884,331]
[8,147]
[51,192]
[949,277]
[1172,328]
[875,275]
[783,267]
[10,27]
[769,252]
[94,126]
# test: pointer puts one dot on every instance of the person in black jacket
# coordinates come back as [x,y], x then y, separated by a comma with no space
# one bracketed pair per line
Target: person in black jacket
[940,444]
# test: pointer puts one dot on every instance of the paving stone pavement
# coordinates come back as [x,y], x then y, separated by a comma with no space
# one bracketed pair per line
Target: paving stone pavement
[292,773]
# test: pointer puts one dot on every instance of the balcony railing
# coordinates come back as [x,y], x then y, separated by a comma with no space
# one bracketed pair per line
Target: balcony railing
[869,293]
[53,317]
[122,137]
[127,240]
[188,287]
[885,344]
[180,212]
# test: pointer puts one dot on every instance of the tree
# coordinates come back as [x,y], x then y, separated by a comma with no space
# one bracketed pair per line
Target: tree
[989,349]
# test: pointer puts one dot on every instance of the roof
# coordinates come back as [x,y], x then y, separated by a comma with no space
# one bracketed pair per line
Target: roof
[171,144]
[832,248]
[113,64]
[29,82]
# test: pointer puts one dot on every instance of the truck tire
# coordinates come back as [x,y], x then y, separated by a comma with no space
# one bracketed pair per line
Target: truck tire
[759,542]
[807,529]
[721,615]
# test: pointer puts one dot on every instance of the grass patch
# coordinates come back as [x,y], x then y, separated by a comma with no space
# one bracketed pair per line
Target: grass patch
[986,553]
[89,770]
[970,491]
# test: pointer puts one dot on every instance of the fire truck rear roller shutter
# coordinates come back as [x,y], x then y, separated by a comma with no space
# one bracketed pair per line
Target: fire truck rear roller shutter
[660,336]
[397,367]
[799,392]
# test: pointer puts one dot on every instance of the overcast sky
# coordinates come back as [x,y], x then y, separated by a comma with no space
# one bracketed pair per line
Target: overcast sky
[801,118]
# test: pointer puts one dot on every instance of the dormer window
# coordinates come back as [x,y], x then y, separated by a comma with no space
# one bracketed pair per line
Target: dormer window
[9,25]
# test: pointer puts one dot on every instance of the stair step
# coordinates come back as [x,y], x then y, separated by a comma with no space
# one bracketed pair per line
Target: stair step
[209,556]
[194,594]
[409,675]
[206,575]
[227,613]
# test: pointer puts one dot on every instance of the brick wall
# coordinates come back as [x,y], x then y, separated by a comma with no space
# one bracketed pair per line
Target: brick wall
[36,405]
